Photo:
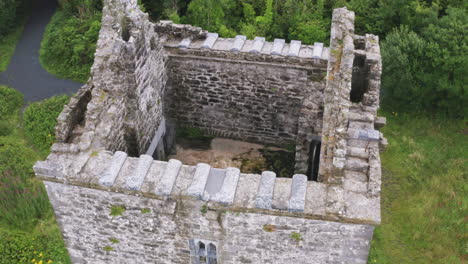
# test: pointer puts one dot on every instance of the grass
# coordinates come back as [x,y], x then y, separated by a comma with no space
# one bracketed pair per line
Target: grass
[8,46]
[424,192]
[117,210]
[28,230]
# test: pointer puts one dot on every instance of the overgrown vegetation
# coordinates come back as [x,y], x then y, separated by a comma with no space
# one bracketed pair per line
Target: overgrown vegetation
[69,43]
[424,192]
[28,232]
[40,119]
[193,137]
[424,43]
[13,15]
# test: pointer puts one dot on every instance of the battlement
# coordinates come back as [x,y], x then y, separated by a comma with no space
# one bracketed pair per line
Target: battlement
[149,79]
[210,46]
[226,189]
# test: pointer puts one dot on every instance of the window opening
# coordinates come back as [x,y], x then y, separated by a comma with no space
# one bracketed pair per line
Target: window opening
[203,252]
[314,160]
[360,79]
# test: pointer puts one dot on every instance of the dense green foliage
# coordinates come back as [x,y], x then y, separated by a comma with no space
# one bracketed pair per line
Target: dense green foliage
[28,233]
[13,15]
[8,45]
[424,192]
[44,244]
[40,119]
[10,11]
[10,101]
[69,42]
[424,43]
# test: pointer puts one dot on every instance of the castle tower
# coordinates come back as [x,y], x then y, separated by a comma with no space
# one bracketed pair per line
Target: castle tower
[116,204]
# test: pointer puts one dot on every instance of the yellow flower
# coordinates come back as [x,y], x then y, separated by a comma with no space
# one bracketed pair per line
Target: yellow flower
[40,255]
[50,261]
[34,260]
[40,262]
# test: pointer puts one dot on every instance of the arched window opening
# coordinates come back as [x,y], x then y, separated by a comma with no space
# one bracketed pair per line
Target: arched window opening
[203,252]
[314,160]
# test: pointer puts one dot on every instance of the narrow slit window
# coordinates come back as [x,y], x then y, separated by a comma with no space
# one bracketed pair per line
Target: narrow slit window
[314,160]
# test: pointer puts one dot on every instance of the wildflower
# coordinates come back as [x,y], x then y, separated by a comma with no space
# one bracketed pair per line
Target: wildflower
[40,255]
[34,260]
[40,262]
[49,261]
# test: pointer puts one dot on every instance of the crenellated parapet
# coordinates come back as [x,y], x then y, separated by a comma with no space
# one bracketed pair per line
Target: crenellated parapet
[148,78]
[211,46]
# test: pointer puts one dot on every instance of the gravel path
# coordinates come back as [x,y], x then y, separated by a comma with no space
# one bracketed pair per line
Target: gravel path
[25,73]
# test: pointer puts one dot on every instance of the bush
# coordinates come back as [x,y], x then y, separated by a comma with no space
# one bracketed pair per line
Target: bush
[10,101]
[426,73]
[68,47]
[22,201]
[22,247]
[16,158]
[7,15]
[40,119]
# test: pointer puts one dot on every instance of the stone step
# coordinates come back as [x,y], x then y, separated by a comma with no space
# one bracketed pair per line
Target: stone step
[364,134]
[356,176]
[357,152]
[360,125]
[362,117]
[357,164]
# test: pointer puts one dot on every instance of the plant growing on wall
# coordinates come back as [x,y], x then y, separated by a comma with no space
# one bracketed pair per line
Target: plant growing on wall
[117,210]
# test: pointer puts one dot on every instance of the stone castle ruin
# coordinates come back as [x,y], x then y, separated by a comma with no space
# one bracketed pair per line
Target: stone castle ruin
[150,79]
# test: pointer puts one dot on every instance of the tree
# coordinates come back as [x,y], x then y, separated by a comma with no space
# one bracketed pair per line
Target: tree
[7,15]
[207,14]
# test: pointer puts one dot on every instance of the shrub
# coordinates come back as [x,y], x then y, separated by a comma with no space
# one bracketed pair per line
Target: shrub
[7,15]
[22,203]
[69,43]
[16,158]
[426,71]
[10,101]
[40,119]
[32,247]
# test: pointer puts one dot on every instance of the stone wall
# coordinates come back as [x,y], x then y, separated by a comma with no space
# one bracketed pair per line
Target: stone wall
[106,113]
[249,89]
[156,231]
[259,102]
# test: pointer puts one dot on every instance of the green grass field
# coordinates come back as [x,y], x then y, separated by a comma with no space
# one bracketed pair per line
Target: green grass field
[424,192]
